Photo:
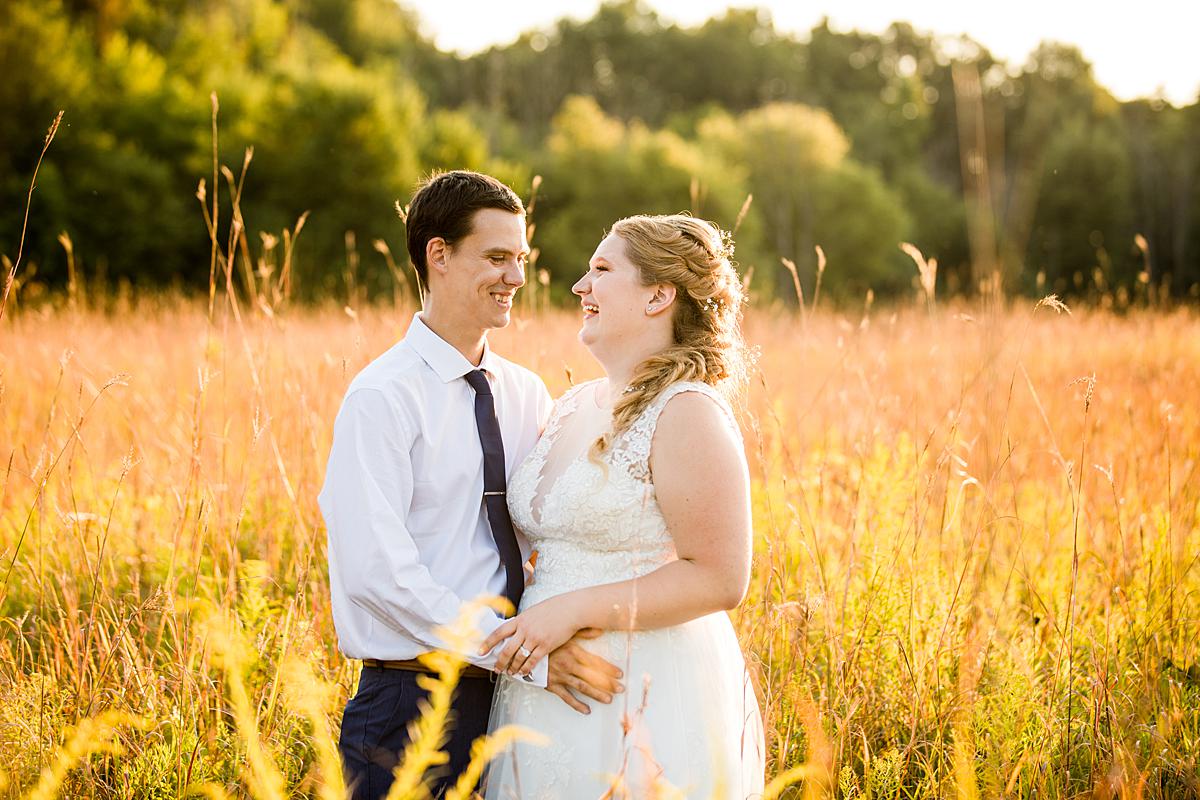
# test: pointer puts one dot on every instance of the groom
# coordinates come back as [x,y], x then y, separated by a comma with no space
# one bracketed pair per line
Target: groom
[414,490]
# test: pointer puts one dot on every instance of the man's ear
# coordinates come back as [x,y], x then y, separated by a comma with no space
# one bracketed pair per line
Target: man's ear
[663,298]
[436,253]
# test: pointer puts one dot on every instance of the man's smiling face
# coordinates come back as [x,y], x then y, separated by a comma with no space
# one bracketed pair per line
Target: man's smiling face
[485,268]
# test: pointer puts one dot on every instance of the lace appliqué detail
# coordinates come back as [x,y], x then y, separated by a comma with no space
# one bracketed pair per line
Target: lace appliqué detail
[600,521]
[632,449]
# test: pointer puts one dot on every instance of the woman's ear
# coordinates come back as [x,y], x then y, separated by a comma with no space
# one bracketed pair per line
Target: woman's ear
[661,300]
[436,253]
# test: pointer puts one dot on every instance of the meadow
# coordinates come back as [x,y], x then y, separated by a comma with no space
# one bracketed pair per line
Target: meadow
[975,574]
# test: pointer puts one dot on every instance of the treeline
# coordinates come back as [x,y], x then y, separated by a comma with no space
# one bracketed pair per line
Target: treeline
[852,142]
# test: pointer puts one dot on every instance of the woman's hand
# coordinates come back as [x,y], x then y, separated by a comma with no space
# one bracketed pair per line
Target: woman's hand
[533,634]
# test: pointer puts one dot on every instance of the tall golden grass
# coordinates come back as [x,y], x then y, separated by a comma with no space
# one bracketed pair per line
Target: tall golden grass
[975,561]
[975,574]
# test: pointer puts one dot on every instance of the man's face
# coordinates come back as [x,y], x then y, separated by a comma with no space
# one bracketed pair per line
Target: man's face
[485,268]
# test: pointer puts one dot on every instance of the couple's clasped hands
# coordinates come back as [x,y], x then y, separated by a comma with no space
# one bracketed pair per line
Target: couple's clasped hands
[550,630]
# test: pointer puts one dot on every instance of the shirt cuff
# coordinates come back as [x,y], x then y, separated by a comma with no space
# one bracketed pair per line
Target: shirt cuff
[488,622]
[540,676]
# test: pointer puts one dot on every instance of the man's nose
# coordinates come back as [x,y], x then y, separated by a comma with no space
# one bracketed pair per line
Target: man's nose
[514,273]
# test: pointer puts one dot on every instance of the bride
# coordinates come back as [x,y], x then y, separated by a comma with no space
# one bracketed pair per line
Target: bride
[637,501]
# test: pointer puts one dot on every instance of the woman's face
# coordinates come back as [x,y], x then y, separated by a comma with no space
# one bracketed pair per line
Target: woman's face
[616,306]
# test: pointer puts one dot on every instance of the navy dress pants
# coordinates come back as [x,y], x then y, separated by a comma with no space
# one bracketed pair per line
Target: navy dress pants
[375,728]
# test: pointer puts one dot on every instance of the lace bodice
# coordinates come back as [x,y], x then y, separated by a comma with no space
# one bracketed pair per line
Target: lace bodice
[596,522]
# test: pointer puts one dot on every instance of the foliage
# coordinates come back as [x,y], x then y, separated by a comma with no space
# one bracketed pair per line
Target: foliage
[599,169]
[347,105]
[809,194]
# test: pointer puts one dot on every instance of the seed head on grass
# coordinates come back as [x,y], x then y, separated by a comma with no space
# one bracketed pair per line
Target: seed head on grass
[820,274]
[1052,301]
[790,266]
[741,215]
[926,270]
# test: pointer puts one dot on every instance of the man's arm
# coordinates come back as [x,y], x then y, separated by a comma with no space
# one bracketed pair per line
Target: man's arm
[367,492]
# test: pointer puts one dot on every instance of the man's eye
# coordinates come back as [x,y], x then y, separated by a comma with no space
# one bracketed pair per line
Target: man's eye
[497,259]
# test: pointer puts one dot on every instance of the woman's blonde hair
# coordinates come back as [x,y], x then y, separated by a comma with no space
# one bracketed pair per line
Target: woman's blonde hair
[695,257]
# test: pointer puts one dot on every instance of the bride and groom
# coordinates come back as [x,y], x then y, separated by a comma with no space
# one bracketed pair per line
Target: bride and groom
[450,466]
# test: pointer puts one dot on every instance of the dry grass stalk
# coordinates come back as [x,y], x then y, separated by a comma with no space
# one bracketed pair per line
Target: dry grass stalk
[11,275]
[820,275]
[926,270]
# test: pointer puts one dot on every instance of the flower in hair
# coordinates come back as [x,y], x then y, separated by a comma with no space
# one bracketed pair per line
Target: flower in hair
[725,251]
[712,305]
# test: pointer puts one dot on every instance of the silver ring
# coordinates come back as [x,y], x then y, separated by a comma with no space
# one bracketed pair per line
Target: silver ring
[524,652]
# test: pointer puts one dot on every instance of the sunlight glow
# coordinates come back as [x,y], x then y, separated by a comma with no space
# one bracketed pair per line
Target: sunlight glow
[1138,50]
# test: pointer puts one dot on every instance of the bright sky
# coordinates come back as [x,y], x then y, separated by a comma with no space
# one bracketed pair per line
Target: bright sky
[1137,48]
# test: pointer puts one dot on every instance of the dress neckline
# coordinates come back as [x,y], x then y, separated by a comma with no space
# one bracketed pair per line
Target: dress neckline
[600,383]
[568,405]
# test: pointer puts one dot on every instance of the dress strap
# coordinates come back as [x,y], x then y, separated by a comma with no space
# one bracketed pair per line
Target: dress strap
[632,450]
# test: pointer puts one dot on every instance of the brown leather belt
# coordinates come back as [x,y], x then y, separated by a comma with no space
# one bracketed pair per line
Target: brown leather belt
[414,665]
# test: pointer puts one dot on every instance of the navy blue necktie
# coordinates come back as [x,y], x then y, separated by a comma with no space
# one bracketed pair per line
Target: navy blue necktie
[494,486]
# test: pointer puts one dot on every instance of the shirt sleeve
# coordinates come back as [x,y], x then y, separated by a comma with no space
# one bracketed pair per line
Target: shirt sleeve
[368,490]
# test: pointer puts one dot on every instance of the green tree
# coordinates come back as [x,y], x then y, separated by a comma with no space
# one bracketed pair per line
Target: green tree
[808,192]
[598,169]
[1068,135]
[1083,221]
[1164,153]
[893,95]
[115,180]
[342,144]
[347,104]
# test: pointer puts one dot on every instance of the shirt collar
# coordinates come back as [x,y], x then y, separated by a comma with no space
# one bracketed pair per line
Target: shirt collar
[441,356]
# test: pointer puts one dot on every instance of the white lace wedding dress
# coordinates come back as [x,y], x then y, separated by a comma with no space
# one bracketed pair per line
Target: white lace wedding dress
[688,722]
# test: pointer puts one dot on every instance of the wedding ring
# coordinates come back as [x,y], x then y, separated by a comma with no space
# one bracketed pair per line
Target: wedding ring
[524,652]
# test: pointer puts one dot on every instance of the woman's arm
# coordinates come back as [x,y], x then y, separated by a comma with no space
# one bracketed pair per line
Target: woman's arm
[703,489]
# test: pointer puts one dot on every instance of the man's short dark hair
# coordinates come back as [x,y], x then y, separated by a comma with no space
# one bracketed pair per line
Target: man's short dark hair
[445,205]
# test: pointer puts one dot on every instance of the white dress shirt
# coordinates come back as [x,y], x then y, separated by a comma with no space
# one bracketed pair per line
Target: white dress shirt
[409,540]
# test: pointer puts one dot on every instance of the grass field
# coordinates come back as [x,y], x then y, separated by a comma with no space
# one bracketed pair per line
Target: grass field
[976,560]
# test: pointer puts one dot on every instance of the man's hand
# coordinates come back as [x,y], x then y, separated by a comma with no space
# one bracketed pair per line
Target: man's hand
[574,669]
